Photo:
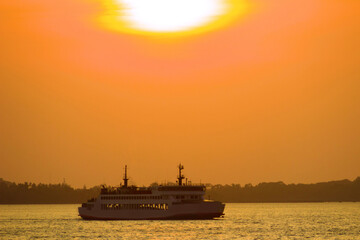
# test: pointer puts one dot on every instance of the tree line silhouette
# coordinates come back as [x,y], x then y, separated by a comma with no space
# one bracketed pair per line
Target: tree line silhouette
[333,191]
[31,193]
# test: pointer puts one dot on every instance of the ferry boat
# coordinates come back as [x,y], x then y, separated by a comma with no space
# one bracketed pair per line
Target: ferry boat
[181,201]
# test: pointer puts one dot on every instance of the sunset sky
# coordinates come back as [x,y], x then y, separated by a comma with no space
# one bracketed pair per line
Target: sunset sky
[259,91]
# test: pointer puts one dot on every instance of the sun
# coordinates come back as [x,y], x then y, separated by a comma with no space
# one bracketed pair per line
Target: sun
[170,17]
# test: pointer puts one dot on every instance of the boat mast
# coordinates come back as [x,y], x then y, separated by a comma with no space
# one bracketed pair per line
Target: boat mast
[125,177]
[180,177]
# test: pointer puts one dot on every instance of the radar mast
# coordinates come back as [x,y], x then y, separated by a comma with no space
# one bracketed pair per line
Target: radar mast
[180,177]
[125,177]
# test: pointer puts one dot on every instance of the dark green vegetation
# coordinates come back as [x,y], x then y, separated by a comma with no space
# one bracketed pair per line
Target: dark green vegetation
[334,191]
[30,193]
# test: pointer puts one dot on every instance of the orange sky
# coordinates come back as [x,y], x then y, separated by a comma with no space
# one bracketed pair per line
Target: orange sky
[272,96]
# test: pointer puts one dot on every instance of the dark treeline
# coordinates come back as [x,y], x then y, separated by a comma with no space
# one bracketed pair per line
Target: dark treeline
[30,193]
[334,191]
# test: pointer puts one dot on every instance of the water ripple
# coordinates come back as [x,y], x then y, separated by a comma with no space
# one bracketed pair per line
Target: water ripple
[242,221]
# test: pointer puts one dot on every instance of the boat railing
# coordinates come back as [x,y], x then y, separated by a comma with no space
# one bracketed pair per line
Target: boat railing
[184,184]
[108,190]
[125,190]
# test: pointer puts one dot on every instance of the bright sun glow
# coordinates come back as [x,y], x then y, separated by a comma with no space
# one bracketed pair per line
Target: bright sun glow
[170,16]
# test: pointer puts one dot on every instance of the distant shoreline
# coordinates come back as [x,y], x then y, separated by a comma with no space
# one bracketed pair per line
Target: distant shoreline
[14,204]
[273,192]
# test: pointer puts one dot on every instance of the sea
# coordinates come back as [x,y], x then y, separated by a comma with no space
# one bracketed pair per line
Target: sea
[241,221]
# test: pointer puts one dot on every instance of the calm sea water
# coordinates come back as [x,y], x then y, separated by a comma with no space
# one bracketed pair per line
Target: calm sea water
[242,221]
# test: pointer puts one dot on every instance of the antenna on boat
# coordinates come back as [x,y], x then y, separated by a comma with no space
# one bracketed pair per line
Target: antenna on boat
[180,177]
[125,177]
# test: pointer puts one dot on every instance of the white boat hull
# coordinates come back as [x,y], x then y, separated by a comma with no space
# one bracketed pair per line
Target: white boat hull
[200,210]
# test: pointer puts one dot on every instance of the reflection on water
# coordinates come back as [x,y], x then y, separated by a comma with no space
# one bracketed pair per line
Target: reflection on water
[170,16]
[242,221]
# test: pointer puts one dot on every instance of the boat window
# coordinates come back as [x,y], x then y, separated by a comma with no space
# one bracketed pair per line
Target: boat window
[158,206]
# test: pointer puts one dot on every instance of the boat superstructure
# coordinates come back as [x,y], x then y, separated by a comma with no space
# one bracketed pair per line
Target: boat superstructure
[181,201]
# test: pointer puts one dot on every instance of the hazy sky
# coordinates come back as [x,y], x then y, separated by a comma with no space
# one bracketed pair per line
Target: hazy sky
[273,95]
